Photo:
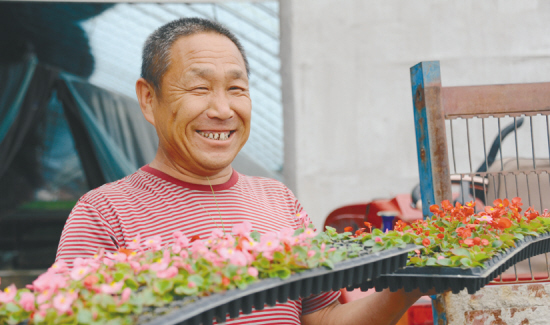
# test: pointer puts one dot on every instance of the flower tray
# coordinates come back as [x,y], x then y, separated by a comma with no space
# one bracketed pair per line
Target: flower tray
[456,279]
[348,273]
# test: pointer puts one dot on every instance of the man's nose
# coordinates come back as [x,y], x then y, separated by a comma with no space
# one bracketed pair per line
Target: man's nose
[220,107]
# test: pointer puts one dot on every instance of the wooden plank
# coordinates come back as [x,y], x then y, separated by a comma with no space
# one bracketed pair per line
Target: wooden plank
[531,98]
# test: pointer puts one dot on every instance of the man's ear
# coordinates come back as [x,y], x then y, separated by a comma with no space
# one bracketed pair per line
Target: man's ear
[146,96]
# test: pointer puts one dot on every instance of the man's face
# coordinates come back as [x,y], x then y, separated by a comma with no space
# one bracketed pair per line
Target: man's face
[202,114]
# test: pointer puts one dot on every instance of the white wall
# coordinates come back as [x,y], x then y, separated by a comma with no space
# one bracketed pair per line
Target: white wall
[346,93]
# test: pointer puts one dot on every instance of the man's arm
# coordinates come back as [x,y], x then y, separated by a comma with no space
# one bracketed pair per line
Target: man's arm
[85,232]
[381,308]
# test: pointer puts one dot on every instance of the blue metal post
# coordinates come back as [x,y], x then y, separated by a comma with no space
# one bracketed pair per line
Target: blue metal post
[431,144]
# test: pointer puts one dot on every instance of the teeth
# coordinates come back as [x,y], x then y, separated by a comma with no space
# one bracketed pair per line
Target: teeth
[216,136]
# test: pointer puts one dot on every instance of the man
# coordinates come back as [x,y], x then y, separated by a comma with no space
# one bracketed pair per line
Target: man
[194,90]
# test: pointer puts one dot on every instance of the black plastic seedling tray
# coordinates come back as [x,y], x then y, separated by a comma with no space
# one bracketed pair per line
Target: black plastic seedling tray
[456,279]
[348,273]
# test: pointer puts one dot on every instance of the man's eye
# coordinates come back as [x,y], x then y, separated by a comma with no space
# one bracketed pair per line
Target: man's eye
[236,88]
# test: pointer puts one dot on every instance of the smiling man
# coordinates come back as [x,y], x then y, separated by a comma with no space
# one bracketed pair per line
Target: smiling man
[194,90]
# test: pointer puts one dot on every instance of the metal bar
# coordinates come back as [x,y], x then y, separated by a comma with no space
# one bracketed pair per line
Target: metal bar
[496,99]
[468,138]
[266,9]
[534,160]
[517,164]
[239,34]
[453,145]
[501,163]
[462,188]
[485,155]
[248,21]
[433,162]
[548,136]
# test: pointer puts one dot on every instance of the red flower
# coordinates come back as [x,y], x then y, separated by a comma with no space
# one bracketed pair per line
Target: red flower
[348,229]
[427,233]
[440,236]
[426,242]
[503,223]
[369,225]
[477,241]
[531,213]
[469,242]
[484,242]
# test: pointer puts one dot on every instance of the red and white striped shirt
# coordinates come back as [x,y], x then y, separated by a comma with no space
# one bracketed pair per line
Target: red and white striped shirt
[151,203]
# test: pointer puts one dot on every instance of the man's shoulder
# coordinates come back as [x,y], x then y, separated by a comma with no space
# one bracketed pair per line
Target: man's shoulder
[261,181]
[120,188]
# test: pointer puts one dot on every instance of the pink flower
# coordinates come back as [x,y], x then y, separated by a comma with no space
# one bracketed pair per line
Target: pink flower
[309,233]
[63,303]
[8,294]
[135,243]
[27,301]
[268,243]
[78,273]
[440,257]
[180,239]
[44,296]
[242,229]
[170,272]
[310,253]
[488,219]
[161,264]
[117,256]
[217,233]
[184,254]
[249,244]
[286,235]
[125,295]
[112,288]
[154,243]
[234,256]
[303,218]
[49,280]
[59,267]
[378,239]
[253,271]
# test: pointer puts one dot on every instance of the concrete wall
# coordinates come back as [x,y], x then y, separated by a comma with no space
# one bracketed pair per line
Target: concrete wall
[346,93]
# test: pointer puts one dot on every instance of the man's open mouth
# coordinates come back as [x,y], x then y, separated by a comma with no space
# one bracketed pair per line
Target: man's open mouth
[216,135]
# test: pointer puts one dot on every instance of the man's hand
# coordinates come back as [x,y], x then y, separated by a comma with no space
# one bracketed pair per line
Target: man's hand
[381,308]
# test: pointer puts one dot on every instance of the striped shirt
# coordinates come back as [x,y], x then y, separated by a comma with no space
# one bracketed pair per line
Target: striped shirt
[151,203]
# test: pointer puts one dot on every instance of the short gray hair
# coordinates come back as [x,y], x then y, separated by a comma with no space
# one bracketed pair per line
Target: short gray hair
[156,51]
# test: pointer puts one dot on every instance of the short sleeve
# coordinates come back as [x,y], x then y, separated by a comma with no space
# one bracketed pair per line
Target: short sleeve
[318,302]
[84,234]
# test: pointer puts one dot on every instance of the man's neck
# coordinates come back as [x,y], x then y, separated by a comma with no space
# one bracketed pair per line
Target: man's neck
[184,175]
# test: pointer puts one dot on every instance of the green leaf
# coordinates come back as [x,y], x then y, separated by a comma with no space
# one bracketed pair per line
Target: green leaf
[497,243]
[466,262]
[131,283]
[444,261]
[461,252]
[163,285]
[369,243]
[431,261]
[118,276]
[328,263]
[256,235]
[407,238]
[519,236]
[84,316]
[481,256]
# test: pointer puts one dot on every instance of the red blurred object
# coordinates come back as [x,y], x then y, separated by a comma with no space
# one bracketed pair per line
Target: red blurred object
[418,314]
[354,215]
